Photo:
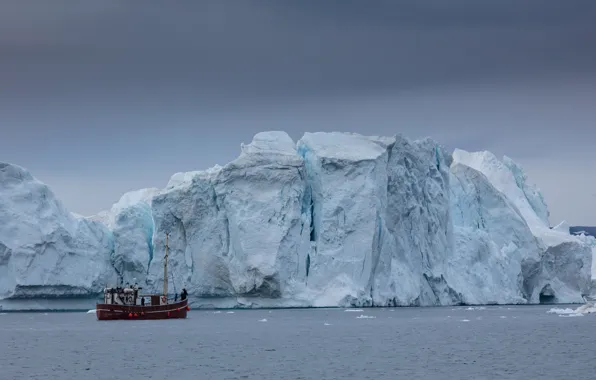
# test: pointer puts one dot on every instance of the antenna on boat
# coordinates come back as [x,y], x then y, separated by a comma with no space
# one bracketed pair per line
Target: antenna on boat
[165,269]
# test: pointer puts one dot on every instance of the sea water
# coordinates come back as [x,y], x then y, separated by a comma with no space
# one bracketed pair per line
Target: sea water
[500,342]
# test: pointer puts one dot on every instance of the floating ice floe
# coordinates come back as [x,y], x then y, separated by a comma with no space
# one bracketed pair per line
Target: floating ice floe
[568,312]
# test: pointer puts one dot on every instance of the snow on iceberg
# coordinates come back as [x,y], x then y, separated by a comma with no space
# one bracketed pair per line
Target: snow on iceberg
[336,219]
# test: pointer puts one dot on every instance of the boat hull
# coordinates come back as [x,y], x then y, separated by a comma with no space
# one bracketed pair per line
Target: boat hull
[110,312]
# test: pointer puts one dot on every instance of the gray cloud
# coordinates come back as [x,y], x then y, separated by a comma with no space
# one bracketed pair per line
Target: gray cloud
[101,97]
[273,48]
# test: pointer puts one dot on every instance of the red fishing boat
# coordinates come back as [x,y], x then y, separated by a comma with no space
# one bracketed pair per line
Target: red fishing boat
[123,302]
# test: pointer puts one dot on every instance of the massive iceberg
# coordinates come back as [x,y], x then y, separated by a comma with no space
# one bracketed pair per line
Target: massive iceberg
[336,219]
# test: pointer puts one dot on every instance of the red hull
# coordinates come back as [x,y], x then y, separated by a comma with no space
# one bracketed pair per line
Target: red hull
[107,312]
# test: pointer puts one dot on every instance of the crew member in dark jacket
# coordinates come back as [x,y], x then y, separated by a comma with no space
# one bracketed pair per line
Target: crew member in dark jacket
[183,294]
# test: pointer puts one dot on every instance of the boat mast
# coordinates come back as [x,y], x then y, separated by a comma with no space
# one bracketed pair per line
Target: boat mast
[165,270]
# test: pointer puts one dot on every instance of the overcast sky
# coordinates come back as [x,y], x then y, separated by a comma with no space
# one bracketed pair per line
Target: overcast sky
[101,97]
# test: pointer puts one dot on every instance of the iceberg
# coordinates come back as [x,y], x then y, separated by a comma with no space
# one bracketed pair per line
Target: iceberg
[590,241]
[335,219]
[239,230]
[417,233]
[345,201]
[561,269]
[130,221]
[45,251]
[490,240]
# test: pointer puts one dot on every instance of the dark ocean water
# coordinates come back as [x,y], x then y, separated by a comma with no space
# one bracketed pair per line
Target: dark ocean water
[417,343]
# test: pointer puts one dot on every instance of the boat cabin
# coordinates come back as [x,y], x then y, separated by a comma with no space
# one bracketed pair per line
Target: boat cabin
[130,296]
[120,295]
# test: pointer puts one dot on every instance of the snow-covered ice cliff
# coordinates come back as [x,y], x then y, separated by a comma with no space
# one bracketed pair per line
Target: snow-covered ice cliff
[336,219]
